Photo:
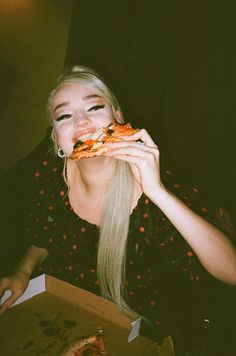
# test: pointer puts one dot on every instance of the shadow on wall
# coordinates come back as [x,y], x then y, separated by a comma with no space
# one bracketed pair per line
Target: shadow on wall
[8,80]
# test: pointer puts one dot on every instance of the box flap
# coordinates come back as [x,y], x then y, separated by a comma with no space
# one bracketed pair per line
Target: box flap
[88,301]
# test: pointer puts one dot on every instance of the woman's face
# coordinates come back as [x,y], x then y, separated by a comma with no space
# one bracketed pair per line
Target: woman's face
[78,110]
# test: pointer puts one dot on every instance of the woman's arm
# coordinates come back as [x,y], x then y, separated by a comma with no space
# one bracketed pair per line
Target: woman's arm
[18,281]
[215,251]
[213,248]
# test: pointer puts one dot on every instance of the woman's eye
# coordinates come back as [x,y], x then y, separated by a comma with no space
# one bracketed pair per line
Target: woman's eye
[96,107]
[63,117]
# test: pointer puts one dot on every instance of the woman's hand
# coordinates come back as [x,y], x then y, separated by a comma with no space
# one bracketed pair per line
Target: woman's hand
[143,155]
[17,283]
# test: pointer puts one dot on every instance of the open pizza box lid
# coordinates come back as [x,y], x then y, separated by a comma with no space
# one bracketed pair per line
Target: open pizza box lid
[52,313]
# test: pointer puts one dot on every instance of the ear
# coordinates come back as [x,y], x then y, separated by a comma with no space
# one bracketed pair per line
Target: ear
[54,139]
[119,117]
[53,136]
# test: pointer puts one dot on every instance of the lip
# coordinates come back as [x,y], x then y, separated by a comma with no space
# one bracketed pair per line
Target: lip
[82,133]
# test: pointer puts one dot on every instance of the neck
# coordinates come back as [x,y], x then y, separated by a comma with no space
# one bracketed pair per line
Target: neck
[92,174]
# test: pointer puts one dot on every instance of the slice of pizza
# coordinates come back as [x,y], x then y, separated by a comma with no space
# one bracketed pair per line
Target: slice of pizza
[93,144]
[87,346]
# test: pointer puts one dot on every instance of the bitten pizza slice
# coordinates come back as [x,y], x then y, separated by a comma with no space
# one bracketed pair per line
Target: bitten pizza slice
[87,346]
[93,144]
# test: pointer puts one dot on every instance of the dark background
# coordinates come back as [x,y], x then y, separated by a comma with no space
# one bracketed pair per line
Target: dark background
[172,67]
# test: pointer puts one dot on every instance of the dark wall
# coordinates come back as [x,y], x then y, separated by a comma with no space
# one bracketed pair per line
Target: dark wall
[172,66]
[33,41]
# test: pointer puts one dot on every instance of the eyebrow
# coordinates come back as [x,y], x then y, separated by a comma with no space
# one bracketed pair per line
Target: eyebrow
[91,96]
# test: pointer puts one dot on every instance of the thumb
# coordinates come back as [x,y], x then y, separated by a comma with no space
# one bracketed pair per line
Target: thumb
[4,285]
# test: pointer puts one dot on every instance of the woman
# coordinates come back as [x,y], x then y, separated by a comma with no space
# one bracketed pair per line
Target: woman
[148,238]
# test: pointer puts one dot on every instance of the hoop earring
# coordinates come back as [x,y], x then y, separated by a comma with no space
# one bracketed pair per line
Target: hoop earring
[60,153]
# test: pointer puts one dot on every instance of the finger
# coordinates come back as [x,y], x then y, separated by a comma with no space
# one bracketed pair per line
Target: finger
[130,159]
[142,135]
[133,155]
[131,148]
[9,301]
[4,307]
[127,150]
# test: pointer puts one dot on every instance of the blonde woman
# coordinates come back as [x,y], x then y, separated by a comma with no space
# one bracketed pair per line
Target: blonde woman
[109,224]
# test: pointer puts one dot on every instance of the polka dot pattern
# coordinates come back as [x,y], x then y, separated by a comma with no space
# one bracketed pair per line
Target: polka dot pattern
[157,255]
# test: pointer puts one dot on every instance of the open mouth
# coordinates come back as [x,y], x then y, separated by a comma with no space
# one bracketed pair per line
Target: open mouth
[83,135]
[88,134]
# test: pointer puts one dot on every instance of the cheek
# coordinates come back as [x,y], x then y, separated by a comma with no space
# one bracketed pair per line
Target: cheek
[63,138]
[60,131]
[108,118]
[107,122]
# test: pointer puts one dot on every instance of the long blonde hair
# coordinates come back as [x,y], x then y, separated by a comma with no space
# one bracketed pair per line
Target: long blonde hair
[111,258]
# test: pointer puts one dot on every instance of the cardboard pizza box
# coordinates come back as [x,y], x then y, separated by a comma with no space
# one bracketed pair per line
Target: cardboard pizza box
[52,313]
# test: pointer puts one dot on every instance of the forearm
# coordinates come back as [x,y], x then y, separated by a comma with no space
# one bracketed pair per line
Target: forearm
[213,248]
[18,281]
[33,257]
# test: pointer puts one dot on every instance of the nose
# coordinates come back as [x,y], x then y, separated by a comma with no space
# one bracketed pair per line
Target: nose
[81,120]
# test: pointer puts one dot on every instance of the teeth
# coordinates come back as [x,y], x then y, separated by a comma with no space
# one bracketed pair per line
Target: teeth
[98,134]
[84,137]
[95,135]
